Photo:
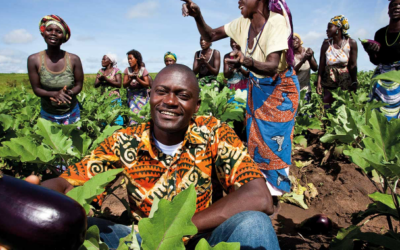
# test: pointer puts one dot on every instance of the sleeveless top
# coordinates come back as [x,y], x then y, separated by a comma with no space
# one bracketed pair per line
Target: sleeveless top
[210,61]
[304,72]
[54,81]
[112,75]
[338,56]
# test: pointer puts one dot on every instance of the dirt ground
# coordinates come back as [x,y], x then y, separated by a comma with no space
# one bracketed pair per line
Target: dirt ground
[343,190]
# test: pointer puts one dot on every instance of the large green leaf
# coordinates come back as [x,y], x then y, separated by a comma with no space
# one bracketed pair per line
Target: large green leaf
[355,155]
[382,135]
[24,150]
[384,198]
[6,121]
[92,240]
[130,242]
[203,245]
[393,76]
[85,194]
[170,223]
[80,143]
[344,239]
[53,137]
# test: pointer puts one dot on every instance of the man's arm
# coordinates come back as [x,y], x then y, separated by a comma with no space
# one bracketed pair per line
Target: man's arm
[252,196]
[58,184]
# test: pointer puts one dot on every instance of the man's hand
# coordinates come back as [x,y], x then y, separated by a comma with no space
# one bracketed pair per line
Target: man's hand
[57,184]
[371,47]
[33,179]
[190,9]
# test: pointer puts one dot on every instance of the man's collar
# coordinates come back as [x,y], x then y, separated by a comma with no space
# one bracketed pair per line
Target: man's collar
[147,144]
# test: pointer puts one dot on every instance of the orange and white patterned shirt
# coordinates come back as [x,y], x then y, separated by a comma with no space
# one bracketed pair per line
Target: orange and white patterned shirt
[209,146]
[338,56]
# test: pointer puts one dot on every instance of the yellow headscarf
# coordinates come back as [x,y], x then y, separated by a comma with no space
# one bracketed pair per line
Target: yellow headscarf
[170,55]
[342,22]
[299,37]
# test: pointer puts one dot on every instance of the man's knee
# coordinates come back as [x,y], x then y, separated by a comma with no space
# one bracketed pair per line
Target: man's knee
[253,221]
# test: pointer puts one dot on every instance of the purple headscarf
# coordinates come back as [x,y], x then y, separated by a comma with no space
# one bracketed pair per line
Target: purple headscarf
[280,7]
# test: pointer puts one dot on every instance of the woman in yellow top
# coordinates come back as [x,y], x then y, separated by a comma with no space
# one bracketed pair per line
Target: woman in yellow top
[265,35]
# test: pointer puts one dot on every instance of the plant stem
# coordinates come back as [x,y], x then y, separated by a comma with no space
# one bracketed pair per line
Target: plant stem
[394,196]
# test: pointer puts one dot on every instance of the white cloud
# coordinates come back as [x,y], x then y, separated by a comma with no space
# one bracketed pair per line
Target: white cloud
[145,9]
[13,61]
[17,37]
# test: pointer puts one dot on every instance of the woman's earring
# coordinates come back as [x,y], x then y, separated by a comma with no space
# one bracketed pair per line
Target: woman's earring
[337,32]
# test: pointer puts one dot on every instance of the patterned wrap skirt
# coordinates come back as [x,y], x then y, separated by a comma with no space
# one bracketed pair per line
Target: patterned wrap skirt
[137,98]
[270,115]
[387,91]
[69,118]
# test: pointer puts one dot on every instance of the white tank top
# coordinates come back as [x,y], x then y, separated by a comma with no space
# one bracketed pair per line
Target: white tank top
[338,56]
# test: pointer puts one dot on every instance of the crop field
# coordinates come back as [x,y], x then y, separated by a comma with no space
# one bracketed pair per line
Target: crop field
[345,165]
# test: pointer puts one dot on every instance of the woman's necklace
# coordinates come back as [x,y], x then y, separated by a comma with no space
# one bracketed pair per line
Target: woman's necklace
[386,39]
[258,39]
[209,60]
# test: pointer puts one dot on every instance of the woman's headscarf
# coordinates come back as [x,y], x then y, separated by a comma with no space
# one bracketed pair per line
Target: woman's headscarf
[280,7]
[341,22]
[299,37]
[112,58]
[170,55]
[54,19]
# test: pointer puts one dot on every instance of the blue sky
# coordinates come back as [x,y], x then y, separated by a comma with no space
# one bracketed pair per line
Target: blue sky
[156,26]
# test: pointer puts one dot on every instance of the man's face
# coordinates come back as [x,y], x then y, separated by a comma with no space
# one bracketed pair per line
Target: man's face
[394,9]
[173,101]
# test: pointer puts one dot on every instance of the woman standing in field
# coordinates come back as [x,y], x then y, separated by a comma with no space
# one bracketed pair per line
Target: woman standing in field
[264,33]
[386,55]
[109,77]
[237,75]
[206,64]
[56,76]
[136,79]
[304,61]
[170,58]
[338,60]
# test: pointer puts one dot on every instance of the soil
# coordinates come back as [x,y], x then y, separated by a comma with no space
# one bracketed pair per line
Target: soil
[343,191]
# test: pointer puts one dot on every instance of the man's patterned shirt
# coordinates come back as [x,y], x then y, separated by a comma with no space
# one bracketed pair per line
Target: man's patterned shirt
[208,146]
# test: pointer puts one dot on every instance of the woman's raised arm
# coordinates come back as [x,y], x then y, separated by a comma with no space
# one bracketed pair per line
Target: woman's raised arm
[209,34]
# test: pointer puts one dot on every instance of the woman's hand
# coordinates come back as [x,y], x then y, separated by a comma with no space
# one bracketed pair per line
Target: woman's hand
[102,78]
[201,60]
[319,88]
[309,54]
[190,9]
[238,59]
[61,96]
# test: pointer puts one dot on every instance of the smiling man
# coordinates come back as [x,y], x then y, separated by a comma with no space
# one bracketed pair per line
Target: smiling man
[171,152]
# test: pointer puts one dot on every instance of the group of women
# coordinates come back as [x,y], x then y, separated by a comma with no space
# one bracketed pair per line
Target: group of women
[268,59]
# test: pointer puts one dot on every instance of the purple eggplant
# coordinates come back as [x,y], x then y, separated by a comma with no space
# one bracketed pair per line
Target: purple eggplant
[318,224]
[369,41]
[35,217]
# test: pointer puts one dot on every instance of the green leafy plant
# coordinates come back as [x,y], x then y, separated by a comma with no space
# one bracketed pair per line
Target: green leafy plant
[169,221]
